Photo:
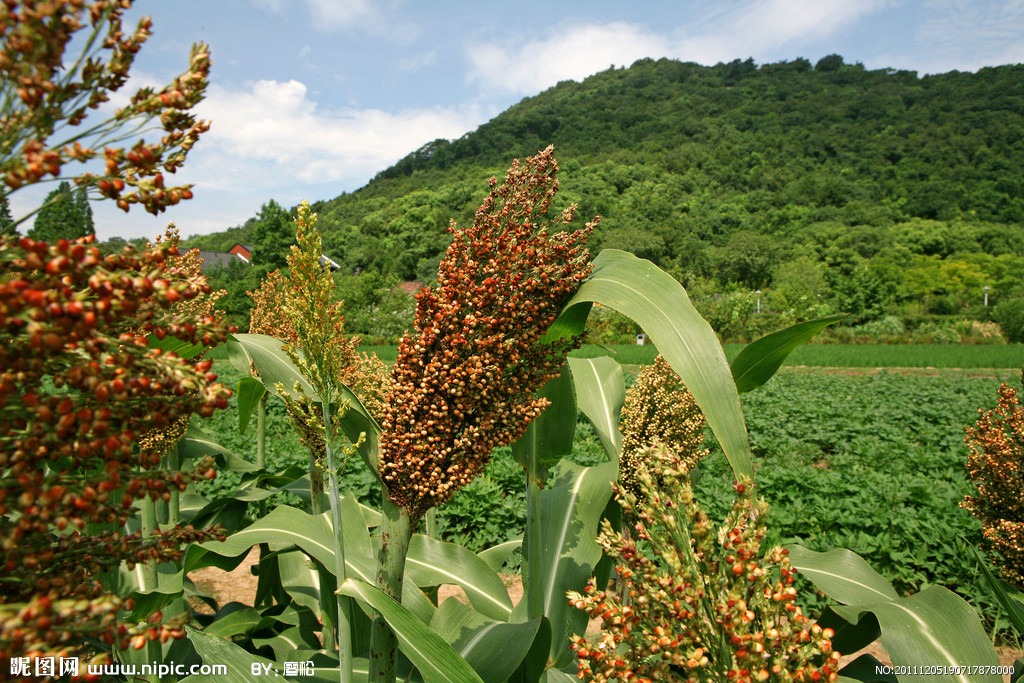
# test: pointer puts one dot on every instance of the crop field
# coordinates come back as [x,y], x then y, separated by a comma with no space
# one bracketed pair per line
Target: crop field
[874,463]
[963,356]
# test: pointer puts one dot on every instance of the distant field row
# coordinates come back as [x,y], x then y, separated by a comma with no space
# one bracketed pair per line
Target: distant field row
[831,355]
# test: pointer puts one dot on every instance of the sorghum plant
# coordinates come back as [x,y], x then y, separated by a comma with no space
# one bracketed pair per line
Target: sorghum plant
[996,465]
[465,379]
[79,384]
[658,410]
[703,605]
[45,99]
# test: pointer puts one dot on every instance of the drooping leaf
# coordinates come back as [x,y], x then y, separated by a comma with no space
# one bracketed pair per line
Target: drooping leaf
[760,359]
[935,625]
[435,658]
[653,299]
[493,648]
[497,555]
[314,536]
[272,364]
[600,393]
[431,562]
[239,622]
[215,650]
[250,392]
[198,444]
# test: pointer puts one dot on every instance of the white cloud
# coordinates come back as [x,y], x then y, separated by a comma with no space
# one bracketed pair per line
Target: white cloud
[272,133]
[572,54]
[736,29]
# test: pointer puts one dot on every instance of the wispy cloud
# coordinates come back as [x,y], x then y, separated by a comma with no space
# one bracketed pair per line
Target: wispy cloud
[379,16]
[734,29]
[957,34]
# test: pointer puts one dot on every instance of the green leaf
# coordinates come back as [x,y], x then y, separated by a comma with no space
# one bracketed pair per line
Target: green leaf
[435,658]
[493,648]
[863,669]
[313,534]
[272,364]
[572,504]
[549,437]
[169,344]
[1008,597]
[239,622]
[250,392]
[653,299]
[934,626]
[431,563]
[760,359]
[497,555]
[600,393]
[218,651]
[198,444]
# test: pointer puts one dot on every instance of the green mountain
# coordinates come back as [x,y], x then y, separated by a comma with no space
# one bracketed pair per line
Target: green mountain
[860,188]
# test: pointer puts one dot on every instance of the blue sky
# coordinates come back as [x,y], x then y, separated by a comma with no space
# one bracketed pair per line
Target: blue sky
[311,98]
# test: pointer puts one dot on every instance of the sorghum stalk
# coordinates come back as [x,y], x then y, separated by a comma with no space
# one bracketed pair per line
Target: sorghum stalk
[315,326]
[343,628]
[465,381]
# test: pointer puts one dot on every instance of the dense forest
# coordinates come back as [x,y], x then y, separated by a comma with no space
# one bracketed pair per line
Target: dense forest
[828,187]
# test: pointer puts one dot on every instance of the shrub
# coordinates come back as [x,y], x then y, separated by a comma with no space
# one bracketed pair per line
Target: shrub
[1010,316]
[886,326]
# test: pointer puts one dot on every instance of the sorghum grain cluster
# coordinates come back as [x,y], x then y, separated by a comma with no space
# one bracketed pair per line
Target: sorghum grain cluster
[79,384]
[52,97]
[658,410]
[696,604]
[996,466]
[464,380]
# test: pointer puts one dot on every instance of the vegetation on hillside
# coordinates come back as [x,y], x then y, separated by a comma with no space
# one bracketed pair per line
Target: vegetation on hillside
[835,187]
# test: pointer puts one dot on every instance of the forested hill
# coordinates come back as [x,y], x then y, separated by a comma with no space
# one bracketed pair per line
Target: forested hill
[726,172]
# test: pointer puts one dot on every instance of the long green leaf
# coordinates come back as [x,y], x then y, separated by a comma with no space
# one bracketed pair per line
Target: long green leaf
[431,563]
[641,291]
[760,359]
[1008,597]
[314,536]
[573,502]
[272,364]
[935,626]
[435,658]
[273,367]
[493,648]
[198,444]
[250,392]
[218,651]
[497,555]
[549,437]
[600,393]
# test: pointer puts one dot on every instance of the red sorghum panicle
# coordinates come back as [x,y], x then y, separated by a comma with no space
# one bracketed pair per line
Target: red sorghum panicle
[695,603]
[54,92]
[464,380]
[996,465]
[78,384]
[658,410]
